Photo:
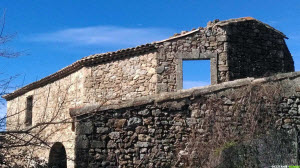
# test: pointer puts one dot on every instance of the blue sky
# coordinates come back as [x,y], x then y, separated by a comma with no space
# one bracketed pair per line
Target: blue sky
[54,34]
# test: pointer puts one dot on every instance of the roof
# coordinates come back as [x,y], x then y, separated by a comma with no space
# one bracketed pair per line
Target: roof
[109,56]
[89,60]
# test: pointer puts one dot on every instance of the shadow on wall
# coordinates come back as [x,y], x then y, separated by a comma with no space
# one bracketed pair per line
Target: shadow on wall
[274,148]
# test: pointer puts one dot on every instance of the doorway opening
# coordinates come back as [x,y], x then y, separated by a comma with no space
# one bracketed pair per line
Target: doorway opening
[57,156]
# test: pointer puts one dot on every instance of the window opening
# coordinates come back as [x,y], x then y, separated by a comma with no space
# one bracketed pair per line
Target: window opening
[196,73]
[28,116]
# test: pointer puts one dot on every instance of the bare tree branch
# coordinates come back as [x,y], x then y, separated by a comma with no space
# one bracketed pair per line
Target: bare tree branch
[3,22]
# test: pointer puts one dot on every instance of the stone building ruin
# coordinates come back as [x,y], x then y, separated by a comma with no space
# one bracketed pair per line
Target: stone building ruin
[113,82]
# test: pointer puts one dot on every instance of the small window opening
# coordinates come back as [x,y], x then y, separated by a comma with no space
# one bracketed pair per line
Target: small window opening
[28,115]
[196,73]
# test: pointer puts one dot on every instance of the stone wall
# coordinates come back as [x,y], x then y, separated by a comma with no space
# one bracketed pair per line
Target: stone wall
[236,49]
[109,83]
[114,82]
[168,129]
[201,44]
[254,50]
[51,103]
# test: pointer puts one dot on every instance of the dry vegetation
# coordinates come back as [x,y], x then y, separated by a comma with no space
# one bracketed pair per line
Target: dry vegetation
[251,112]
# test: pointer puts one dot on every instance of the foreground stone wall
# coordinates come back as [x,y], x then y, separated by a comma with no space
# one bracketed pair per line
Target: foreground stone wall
[162,131]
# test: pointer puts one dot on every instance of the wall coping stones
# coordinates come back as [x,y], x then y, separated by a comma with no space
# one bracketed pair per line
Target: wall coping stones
[181,94]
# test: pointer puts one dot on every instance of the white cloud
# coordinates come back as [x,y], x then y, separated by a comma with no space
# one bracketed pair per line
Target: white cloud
[191,84]
[103,35]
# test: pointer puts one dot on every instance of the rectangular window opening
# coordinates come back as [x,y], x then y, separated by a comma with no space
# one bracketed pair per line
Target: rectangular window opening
[196,73]
[28,115]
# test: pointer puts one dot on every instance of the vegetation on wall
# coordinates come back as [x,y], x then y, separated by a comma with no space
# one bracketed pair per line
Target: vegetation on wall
[251,112]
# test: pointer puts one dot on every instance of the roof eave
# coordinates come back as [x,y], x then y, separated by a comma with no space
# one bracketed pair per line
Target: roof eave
[86,61]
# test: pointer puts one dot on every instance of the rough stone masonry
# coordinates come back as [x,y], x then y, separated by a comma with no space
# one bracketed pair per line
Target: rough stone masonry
[236,48]
[161,130]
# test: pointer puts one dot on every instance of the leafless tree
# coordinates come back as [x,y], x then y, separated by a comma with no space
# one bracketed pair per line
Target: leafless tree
[5,52]
[21,142]
[4,39]
[15,138]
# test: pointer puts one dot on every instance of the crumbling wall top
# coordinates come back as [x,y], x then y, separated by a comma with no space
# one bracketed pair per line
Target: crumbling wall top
[194,92]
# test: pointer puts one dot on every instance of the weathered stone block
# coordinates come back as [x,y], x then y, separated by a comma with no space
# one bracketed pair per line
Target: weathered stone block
[82,142]
[111,144]
[98,144]
[114,135]
[134,121]
[85,128]
[162,87]
[120,123]
[160,69]
[144,138]
[144,112]
[143,144]
[147,121]
[141,130]
[102,130]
